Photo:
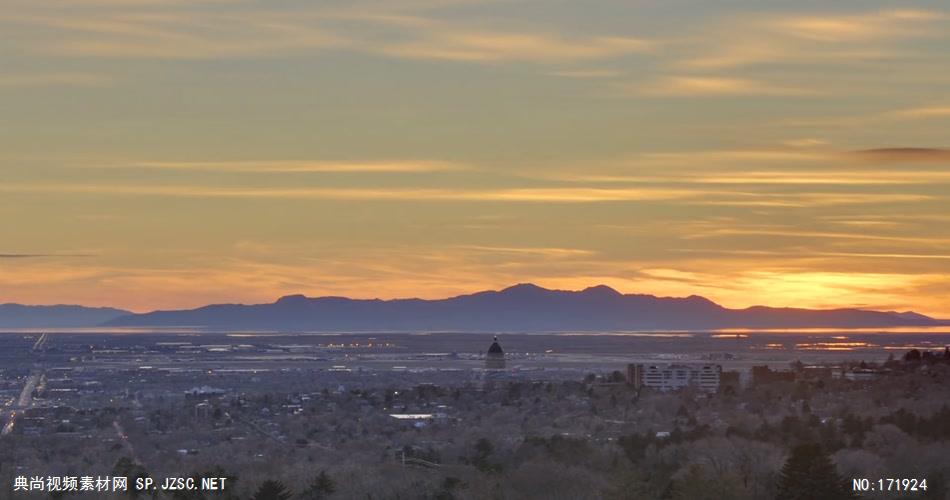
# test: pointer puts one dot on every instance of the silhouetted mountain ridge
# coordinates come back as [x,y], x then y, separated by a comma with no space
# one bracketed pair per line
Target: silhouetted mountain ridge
[522,307]
[62,316]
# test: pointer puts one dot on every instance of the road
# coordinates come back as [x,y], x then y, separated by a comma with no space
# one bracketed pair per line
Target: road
[26,395]
[10,421]
[124,439]
[40,342]
[24,401]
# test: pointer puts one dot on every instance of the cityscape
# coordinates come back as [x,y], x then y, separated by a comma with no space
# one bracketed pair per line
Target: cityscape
[474,250]
[467,415]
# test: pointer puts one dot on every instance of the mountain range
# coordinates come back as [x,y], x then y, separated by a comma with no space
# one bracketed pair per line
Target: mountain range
[59,316]
[523,307]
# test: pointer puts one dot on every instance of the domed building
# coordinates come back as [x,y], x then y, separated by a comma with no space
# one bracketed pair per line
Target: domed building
[495,359]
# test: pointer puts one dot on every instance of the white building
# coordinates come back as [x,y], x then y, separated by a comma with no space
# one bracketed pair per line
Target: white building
[674,376]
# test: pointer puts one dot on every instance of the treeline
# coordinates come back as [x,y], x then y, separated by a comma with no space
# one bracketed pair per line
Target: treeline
[844,432]
[937,426]
[321,486]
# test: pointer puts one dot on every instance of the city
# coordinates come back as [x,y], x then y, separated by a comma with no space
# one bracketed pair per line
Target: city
[376,414]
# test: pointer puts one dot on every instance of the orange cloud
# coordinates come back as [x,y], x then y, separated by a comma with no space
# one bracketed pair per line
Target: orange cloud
[687,86]
[300,166]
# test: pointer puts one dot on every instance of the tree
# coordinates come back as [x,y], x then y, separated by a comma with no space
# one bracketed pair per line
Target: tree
[272,490]
[449,485]
[481,459]
[218,472]
[912,355]
[320,487]
[127,468]
[698,484]
[891,361]
[936,485]
[810,474]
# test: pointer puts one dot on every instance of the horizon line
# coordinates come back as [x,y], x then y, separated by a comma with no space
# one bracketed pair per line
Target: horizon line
[495,290]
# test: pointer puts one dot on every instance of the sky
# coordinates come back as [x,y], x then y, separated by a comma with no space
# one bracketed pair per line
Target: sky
[159,154]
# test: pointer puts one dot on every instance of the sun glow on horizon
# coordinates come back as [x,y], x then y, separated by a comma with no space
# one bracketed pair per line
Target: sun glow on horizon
[753,153]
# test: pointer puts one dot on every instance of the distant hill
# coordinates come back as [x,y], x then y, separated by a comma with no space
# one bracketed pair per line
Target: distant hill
[523,307]
[21,316]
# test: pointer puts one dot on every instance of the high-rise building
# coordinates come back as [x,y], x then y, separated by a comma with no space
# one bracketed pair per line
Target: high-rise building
[674,376]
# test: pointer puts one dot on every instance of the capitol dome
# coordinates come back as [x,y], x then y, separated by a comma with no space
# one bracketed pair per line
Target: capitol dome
[495,359]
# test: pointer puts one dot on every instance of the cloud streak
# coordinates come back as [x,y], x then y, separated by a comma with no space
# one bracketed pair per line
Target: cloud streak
[693,86]
[905,155]
[922,112]
[293,166]
[809,39]
[547,195]
[54,80]
[174,34]
[452,45]
[567,195]
[42,255]
[183,30]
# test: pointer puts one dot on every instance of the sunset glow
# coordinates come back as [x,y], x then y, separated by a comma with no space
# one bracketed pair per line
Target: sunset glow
[160,155]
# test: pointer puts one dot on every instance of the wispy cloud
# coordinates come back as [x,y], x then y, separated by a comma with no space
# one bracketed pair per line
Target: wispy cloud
[580,194]
[828,177]
[806,142]
[544,251]
[779,166]
[861,27]
[923,112]
[803,200]
[54,80]
[931,112]
[909,155]
[690,86]
[913,256]
[799,233]
[289,166]
[456,44]
[539,195]
[178,33]
[730,156]
[182,30]
[700,175]
[588,73]
[42,255]
[809,39]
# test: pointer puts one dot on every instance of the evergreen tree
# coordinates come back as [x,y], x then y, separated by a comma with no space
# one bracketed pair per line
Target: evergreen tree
[483,452]
[127,468]
[320,488]
[697,484]
[936,486]
[809,474]
[272,490]
[218,472]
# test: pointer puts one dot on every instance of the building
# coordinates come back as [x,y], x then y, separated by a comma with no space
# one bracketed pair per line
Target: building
[673,377]
[495,359]
[765,375]
[730,379]
[818,372]
[861,374]
[204,391]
